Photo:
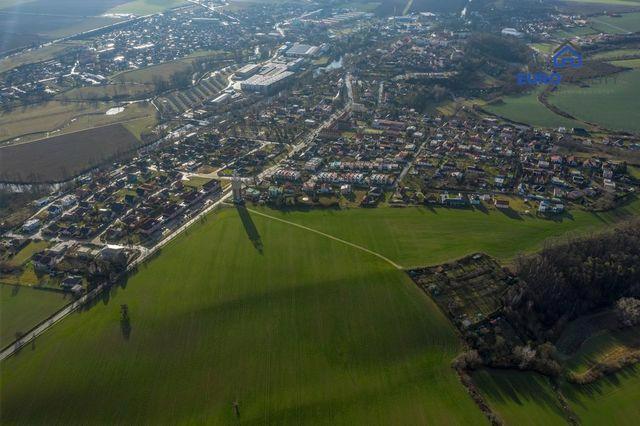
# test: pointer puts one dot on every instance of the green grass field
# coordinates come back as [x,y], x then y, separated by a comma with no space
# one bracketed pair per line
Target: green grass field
[21,308]
[606,345]
[144,7]
[274,329]
[612,2]
[296,327]
[612,400]
[527,109]
[520,398]
[627,63]
[525,398]
[611,103]
[627,23]
[421,236]
[613,54]
[25,254]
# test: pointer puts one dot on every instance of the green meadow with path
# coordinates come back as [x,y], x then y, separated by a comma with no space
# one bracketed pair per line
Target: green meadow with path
[22,308]
[296,327]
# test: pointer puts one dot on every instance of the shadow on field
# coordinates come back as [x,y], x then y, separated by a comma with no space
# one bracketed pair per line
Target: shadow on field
[601,387]
[481,208]
[511,213]
[511,386]
[250,227]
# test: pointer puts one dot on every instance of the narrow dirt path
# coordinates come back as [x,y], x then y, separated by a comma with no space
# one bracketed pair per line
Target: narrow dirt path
[386,259]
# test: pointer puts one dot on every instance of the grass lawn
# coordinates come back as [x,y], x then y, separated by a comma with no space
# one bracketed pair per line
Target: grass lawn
[54,118]
[612,400]
[520,398]
[612,103]
[21,308]
[296,327]
[423,236]
[144,7]
[527,109]
[613,2]
[613,54]
[25,254]
[624,24]
[628,63]
[604,346]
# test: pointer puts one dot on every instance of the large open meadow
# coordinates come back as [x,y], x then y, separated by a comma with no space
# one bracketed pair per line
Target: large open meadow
[528,110]
[21,308]
[295,326]
[28,22]
[525,398]
[611,102]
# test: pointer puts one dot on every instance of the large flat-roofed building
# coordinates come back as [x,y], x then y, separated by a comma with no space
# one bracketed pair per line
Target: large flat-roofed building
[299,50]
[248,70]
[271,77]
[266,83]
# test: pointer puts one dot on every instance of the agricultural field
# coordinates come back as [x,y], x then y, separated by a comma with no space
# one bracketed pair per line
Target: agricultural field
[523,398]
[527,109]
[625,24]
[30,22]
[36,55]
[611,102]
[124,91]
[627,63]
[289,345]
[610,400]
[62,157]
[610,2]
[417,237]
[520,398]
[145,7]
[615,54]
[31,123]
[21,308]
[260,322]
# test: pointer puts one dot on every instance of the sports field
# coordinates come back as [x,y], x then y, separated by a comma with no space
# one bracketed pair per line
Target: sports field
[295,326]
[21,308]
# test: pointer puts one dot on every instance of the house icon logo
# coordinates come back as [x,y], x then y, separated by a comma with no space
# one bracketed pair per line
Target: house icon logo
[567,56]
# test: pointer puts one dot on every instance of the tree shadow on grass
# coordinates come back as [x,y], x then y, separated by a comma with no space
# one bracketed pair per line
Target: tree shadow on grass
[510,213]
[481,208]
[250,228]
[513,386]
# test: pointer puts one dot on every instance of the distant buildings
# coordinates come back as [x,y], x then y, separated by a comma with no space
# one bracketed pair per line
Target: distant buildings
[299,50]
[270,78]
[511,32]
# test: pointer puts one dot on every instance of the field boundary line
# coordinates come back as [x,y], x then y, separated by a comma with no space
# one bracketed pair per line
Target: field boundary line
[340,240]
